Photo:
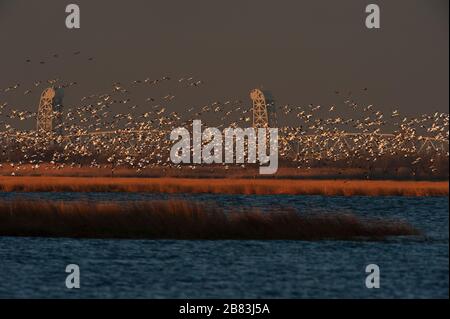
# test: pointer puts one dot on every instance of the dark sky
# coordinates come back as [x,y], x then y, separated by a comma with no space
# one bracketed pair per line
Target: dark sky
[302,51]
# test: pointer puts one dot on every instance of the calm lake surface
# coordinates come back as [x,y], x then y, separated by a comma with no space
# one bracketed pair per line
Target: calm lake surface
[409,267]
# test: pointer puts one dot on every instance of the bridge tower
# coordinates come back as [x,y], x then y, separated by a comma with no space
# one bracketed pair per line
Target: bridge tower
[49,111]
[264,114]
[260,114]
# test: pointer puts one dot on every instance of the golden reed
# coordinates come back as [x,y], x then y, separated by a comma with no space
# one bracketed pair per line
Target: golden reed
[225,186]
[173,219]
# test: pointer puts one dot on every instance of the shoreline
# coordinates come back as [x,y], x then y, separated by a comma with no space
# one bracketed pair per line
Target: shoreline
[216,171]
[236,186]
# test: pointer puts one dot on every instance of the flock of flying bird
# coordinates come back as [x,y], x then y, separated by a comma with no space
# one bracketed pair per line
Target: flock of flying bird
[112,127]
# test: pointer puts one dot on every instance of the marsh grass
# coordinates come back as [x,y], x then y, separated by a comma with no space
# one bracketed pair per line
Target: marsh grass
[173,219]
[225,186]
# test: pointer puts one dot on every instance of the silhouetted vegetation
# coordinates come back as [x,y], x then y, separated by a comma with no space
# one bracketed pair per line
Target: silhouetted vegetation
[184,220]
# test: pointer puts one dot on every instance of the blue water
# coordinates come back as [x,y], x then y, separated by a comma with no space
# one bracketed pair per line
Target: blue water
[409,267]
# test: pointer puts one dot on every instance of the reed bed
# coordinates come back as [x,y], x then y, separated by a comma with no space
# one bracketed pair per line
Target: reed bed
[186,220]
[225,186]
